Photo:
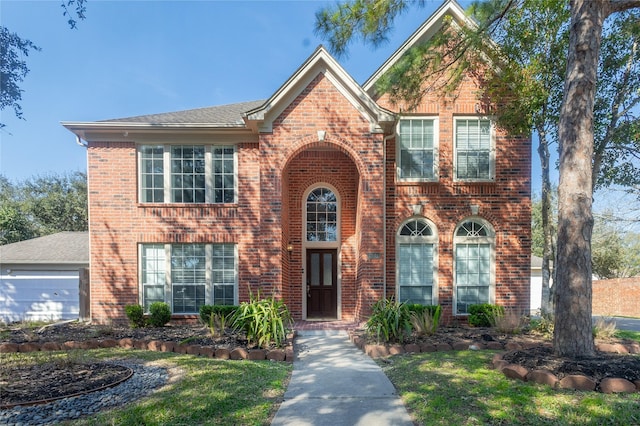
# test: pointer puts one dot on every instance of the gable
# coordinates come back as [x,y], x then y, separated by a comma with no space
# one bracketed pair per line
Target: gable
[319,63]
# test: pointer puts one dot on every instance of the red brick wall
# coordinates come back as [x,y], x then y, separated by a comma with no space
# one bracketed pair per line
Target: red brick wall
[617,297]
[505,203]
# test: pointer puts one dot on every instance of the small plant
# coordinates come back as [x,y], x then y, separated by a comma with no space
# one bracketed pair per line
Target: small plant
[135,314]
[159,314]
[508,321]
[389,321]
[264,321]
[207,310]
[543,324]
[481,315]
[425,319]
[604,328]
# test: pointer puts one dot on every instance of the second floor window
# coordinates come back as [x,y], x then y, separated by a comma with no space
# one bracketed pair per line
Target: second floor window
[417,149]
[187,174]
[473,149]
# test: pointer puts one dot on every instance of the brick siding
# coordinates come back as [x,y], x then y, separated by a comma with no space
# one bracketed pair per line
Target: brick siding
[617,297]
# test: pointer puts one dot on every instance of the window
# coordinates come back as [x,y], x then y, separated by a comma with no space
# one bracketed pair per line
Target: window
[197,274]
[187,174]
[322,215]
[416,262]
[474,264]
[417,149]
[473,149]
[151,174]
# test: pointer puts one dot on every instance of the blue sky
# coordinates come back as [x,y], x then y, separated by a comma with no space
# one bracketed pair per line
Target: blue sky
[141,57]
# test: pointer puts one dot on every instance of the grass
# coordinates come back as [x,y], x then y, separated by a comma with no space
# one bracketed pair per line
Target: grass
[210,392]
[628,334]
[459,388]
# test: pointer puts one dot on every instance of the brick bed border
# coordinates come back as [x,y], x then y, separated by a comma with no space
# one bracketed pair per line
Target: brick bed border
[285,354]
[513,371]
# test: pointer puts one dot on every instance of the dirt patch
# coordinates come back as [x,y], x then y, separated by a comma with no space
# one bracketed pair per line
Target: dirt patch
[51,380]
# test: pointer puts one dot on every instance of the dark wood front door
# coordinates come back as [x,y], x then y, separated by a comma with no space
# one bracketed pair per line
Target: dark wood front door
[322,283]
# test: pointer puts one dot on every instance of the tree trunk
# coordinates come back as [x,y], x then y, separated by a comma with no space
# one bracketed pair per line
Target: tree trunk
[572,335]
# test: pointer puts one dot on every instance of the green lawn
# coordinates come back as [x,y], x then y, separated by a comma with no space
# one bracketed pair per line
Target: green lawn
[209,392]
[460,388]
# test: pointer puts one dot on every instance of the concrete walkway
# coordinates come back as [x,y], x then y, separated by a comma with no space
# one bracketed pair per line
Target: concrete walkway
[334,384]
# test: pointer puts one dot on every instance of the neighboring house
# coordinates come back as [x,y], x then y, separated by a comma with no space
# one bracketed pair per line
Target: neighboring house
[536,284]
[39,278]
[325,195]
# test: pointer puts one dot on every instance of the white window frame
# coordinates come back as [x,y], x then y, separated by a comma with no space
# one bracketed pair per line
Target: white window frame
[168,285]
[436,145]
[321,244]
[209,176]
[492,149]
[422,239]
[490,239]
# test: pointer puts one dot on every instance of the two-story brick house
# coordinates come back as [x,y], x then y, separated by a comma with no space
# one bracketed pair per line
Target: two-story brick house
[325,195]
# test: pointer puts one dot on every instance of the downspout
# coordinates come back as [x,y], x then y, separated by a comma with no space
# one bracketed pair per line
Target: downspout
[384,210]
[79,141]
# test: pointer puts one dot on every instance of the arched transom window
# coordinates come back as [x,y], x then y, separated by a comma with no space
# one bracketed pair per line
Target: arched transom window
[416,262]
[322,215]
[474,264]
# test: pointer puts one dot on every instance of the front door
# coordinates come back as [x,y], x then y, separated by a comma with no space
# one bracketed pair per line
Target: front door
[322,283]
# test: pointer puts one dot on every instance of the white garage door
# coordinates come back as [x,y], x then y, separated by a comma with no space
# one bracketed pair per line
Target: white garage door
[38,295]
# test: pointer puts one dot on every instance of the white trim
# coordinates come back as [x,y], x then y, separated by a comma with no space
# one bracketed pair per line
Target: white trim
[492,148]
[436,148]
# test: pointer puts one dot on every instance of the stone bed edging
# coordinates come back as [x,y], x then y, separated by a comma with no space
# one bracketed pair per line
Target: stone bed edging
[513,371]
[285,354]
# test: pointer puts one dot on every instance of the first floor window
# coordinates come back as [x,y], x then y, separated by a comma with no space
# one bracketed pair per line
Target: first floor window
[473,264]
[416,262]
[187,276]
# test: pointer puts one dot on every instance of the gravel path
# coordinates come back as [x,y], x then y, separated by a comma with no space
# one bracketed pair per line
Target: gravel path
[145,380]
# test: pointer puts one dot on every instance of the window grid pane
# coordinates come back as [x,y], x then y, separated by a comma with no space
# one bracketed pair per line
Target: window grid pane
[322,217]
[223,274]
[153,274]
[152,174]
[187,174]
[416,141]
[223,175]
[473,149]
[415,273]
[188,277]
[473,275]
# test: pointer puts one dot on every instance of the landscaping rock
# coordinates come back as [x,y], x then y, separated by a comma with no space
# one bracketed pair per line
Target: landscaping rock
[514,371]
[543,377]
[207,351]
[276,355]
[615,348]
[6,348]
[616,385]
[442,347]
[460,346]
[495,346]
[239,353]
[50,346]
[376,351]
[513,346]
[412,348]
[167,347]
[427,347]
[126,343]
[140,344]
[223,353]
[90,344]
[28,347]
[396,350]
[109,343]
[577,382]
[154,345]
[289,354]
[256,354]
[193,349]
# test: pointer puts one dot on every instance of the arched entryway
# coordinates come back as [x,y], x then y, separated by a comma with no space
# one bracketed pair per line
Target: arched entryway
[321,187]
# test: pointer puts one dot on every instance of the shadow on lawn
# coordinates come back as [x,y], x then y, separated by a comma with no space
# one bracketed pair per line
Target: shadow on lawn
[460,388]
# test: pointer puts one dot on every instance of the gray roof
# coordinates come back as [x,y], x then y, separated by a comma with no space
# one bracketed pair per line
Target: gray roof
[60,248]
[224,115]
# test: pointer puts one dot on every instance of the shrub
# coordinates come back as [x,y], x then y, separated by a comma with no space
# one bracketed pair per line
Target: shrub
[604,328]
[207,310]
[135,314]
[264,321]
[389,321]
[542,325]
[482,314]
[508,321]
[425,319]
[159,314]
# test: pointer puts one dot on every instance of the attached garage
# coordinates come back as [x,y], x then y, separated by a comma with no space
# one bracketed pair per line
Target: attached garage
[39,278]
